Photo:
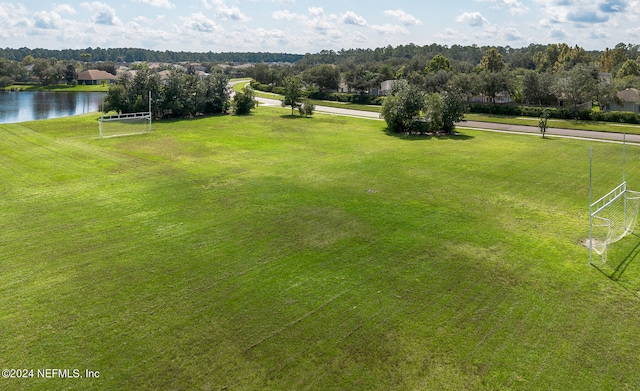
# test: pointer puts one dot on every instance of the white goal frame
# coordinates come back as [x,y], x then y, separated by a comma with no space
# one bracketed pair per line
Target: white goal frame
[144,115]
[620,191]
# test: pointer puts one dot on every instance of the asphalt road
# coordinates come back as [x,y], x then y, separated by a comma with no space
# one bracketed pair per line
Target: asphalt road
[493,127]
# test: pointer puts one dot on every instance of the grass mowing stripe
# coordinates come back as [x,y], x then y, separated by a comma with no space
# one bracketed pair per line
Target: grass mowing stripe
[356,259]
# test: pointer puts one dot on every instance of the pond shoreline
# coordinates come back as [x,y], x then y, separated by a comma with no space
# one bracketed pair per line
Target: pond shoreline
[29,105]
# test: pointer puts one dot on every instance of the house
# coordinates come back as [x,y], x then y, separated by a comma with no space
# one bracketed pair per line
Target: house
[629,101]
[501,98]
[386,87]
[95,77]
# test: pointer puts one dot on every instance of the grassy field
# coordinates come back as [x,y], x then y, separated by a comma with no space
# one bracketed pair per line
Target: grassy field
[58,88]
[273,253]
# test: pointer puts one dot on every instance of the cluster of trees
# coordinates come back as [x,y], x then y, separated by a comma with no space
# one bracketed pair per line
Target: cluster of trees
[48,71]
[182,94]
[130,55]
[537,75]
[410,109]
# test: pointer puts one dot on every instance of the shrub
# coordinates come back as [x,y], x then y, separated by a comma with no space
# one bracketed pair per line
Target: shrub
[556,112]
[306,108]
[244,101]
[5,81]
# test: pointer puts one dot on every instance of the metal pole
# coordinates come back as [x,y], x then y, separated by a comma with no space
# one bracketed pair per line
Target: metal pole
[101,118]
[590,205]
[149,111]
[624,176]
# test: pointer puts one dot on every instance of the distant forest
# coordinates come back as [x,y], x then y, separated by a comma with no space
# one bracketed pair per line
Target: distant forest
[402,54]
[130,55]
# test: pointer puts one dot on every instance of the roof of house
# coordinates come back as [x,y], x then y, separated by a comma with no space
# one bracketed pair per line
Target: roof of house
[629,95]
[94,74]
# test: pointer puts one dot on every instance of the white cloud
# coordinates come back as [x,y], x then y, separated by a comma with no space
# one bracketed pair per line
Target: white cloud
[64,9]
[474,19]
[208,4]
[102,13]
[47,20]
[316,11]
[322,23]
[286,15]
[402,16]
[512,34]
[351,17]
[225,13]
[390,29]
[157,3]
[583,13]
[198,22]
[515,7]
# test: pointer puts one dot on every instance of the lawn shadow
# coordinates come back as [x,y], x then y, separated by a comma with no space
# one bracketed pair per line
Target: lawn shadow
[294,116]
[424,137]
[622,266]
[626,261]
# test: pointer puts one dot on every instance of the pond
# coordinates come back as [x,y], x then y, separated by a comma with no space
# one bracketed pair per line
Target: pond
[29,106]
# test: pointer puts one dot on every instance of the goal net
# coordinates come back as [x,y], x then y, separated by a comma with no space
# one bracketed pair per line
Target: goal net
[124,124]
[613,217]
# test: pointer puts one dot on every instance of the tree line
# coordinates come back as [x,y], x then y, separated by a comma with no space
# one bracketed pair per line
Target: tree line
[537,75]
[129,55]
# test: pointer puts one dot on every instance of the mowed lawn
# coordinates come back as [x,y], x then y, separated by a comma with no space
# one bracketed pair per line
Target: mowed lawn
[274,253]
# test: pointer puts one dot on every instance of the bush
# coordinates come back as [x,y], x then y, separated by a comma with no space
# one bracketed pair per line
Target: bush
[264,87]
[341,97]
[306,108]
[244,101]
[278,90]
[556,112]
[616,116]
[5,81]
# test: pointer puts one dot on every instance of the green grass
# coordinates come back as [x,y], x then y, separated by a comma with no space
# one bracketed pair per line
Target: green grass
[267,252]
[556,123]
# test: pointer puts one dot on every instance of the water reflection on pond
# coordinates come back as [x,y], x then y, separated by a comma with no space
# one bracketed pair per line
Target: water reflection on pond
[28,106]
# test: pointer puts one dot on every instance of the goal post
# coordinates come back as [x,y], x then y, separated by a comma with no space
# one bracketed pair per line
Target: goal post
[614,215]
[125,124]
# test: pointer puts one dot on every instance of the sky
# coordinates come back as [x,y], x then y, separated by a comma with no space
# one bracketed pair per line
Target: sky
[309,26]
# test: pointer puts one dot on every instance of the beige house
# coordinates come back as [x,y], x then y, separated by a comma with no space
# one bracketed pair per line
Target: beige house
[95,77]
[629,101]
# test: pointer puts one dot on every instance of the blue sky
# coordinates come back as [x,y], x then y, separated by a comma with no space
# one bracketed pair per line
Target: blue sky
[301,26]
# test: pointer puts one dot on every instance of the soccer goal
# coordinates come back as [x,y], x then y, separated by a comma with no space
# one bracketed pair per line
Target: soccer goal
[124,124]
[613,216]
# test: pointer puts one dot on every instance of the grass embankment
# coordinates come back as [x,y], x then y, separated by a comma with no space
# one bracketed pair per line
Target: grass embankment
[58,88]
[270,253]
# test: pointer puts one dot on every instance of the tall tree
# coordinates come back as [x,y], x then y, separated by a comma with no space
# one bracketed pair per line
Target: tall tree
[438,63]
[492,61]
[402,106]
[610,59]
[629,68]
[292,92]
[576,86]
[324,76]
[536,87]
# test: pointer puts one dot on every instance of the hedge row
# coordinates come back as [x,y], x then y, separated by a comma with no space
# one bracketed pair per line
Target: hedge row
[335,96]
[557,113]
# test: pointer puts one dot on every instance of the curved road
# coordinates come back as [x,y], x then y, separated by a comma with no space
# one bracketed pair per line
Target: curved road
[492,127]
